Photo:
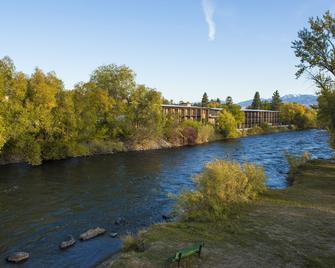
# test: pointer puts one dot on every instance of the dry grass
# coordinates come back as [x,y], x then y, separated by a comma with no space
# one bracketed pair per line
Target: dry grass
[133,242]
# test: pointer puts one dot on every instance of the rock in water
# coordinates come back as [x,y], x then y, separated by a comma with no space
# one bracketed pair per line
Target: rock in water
[18,257]
[120,220]
[91,233]
[68,243]
[113,235]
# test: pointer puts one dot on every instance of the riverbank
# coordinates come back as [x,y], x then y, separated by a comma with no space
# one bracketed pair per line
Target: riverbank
[103,148]
[291,227]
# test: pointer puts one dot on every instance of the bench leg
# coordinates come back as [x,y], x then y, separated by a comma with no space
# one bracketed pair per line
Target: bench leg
[199,253]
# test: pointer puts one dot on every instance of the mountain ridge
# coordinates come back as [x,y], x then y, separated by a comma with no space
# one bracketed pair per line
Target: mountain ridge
[305,99]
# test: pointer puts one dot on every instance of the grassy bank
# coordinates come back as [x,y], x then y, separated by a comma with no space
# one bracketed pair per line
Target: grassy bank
[293,227]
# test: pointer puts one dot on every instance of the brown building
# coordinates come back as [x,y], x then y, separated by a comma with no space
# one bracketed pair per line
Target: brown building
[206,114]
[254,118]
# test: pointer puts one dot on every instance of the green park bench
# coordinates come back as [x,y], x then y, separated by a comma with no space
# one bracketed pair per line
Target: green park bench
[187,252]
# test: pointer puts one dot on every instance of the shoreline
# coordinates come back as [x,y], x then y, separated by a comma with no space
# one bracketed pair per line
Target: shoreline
[163,144]
[310,197]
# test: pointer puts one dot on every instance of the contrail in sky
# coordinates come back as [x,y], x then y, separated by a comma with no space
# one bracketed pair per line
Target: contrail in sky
[208,8]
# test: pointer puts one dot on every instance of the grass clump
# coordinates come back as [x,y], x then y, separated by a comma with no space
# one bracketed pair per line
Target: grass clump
[220,189]
[133,242]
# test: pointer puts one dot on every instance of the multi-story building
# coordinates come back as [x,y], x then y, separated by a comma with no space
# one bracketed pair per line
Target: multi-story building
[207,114]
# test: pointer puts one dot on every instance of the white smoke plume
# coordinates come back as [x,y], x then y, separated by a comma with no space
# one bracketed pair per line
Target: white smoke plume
[208,8]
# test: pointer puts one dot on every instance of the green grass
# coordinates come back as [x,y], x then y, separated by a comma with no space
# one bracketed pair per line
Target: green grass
[294,227]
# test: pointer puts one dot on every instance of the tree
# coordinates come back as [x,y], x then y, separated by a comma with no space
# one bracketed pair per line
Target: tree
[229,100]
[236,111]
[227,124]
[276,101]
[3,135]
[145,113]
[204,101]
[315,48]
[256,102]
[298,115]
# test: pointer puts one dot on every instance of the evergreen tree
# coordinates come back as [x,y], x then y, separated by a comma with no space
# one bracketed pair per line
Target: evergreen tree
[276,101]
[229,100]
[256,102]
[204,101]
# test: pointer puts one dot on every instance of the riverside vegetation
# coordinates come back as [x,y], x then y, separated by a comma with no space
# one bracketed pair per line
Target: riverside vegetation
[40,120]
[248,225]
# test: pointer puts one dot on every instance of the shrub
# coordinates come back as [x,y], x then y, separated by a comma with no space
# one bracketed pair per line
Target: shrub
[206,133]
[133,242]
[254,130]
[265,127]
[220,189]
[295,161]
[190,135]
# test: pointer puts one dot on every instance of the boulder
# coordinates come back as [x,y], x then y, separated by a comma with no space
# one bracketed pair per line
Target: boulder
[67,243]
[18,257]
[91,233]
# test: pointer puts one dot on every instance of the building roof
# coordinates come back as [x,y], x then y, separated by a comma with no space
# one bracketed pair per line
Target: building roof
[256,110]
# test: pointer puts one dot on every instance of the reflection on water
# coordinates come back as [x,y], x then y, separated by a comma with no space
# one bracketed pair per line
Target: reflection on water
[40,206]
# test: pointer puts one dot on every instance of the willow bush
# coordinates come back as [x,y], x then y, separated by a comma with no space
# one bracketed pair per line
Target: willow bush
[220,189]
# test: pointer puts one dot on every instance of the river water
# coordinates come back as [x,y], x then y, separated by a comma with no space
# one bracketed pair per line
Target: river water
[40,206]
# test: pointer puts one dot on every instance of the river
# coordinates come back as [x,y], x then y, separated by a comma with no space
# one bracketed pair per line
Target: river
[40,206]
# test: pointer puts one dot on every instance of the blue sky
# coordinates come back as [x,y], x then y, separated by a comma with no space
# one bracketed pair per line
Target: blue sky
[166,42]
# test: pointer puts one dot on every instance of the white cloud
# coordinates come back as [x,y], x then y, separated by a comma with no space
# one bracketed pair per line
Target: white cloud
[208,8]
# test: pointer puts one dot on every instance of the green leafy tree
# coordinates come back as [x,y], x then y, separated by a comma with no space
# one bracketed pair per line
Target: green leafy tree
[227,124]
[315,47]
[145,113]
[276,101]
[204,101]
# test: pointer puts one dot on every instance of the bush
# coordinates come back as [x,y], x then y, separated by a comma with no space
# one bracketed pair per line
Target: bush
[133,242]
[295,161]
[265,127]
[190,135]
[254,131]
[220,188]
[206,133]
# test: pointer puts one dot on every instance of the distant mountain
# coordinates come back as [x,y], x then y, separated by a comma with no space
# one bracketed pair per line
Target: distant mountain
[306,100]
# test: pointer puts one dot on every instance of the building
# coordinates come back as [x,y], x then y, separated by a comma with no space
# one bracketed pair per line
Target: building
[206,114]
[254,118]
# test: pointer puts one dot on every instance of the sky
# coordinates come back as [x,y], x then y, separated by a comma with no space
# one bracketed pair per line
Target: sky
[182,48]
